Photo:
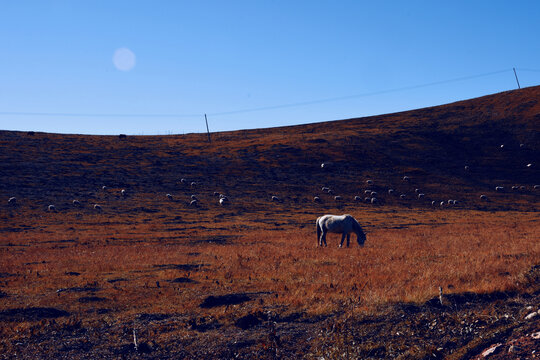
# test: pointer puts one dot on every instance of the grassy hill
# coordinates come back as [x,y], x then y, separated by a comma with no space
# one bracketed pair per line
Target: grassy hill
[247,280]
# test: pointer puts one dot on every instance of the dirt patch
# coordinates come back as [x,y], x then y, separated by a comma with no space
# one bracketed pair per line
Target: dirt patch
[222,300]
[31,314]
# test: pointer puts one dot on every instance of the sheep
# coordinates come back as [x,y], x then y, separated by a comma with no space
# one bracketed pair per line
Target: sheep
[433,203]
[367,199]
[373,200]
[502,146]
[12,201]
[442,203]
[275,198]
[193,184]
[330,191]
[316,199]
[76,203]
[466,168]
[97,207]
[123,192]
[194,197]
[406,178]
[373,194]
[455,202]
[223,201]
[417,191]
[169,196]
[515,187]
[499,188]
[104,188]
[450,202]
[216,193]
[402,196]
[521,145]
[221,196]
[421,195]
[357,198]
[536,187]
[483,197]
[194,203]
[51,208]
[338,198]
[324,188]
[390,191]
[529,165]
[367,192]
[369,182]
[522,188]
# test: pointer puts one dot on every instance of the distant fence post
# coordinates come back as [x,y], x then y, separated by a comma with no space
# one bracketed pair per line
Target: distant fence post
[207,130]
[515,74]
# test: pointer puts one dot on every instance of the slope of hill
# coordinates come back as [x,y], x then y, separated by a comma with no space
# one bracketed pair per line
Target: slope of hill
[246,280]
[432,146]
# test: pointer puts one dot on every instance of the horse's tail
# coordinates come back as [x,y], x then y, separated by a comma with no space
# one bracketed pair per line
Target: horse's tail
[318,231]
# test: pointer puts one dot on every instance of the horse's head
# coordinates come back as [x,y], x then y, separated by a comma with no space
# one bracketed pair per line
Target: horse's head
[360,237]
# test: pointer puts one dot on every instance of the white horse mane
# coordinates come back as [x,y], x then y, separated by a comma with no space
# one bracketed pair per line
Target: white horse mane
[344,224]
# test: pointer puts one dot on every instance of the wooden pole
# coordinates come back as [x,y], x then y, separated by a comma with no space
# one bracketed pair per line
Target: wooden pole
[207,130]
[515,74]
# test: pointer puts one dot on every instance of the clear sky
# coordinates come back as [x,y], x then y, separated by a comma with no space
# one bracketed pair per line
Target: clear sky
[156,67]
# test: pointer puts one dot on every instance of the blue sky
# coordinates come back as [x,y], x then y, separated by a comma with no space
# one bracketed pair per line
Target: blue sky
[223,57]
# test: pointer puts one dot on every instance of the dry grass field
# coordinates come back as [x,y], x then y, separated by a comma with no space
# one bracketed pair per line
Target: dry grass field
[246,280]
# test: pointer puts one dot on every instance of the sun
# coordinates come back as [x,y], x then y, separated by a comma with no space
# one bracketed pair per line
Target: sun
[124,59]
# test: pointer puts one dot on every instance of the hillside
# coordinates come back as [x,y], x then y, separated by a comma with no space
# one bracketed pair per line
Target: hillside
[431,146]
[246,280]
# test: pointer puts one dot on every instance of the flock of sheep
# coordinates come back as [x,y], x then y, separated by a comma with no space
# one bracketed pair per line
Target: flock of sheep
[370,196]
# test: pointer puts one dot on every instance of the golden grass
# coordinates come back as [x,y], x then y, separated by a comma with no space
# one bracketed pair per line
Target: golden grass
[470,251]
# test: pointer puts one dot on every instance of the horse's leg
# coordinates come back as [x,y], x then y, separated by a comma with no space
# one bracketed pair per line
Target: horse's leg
[348,239]
[323,238]
[342,239]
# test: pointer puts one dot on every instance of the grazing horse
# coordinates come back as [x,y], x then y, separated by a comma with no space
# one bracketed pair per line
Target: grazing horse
[344,224]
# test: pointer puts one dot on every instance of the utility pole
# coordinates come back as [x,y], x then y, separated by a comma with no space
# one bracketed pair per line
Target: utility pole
[207,130]
[515,74]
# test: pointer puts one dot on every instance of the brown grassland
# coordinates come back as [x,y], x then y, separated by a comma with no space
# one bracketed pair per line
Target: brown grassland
[247,280]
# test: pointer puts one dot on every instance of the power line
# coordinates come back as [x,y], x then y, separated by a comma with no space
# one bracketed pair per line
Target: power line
[264,108]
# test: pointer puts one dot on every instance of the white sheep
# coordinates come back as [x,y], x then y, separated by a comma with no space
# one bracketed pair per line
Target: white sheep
[529,165]
[442,203]
[194,203]
[466,168]
[221,196]
[373,194]
[369,182]
[324,188]
[104,188]
[183,181]
[406,178]
[536,187]
[373,200]
[515,187]
[330,191]
[367,192]
[12,201]
[499,188]
[433,203]
[316,199]
[97,207]
[223,201]
[483,197]
[194,197]
[338,198]
[193,184]
[76,203]
[357,198]
[275,198]
[390,191]
[402,196]
[51,208]
[367,199]
[417,191]
[216,193]
[522,188]
[169,196]
[123,192]
[421,195]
